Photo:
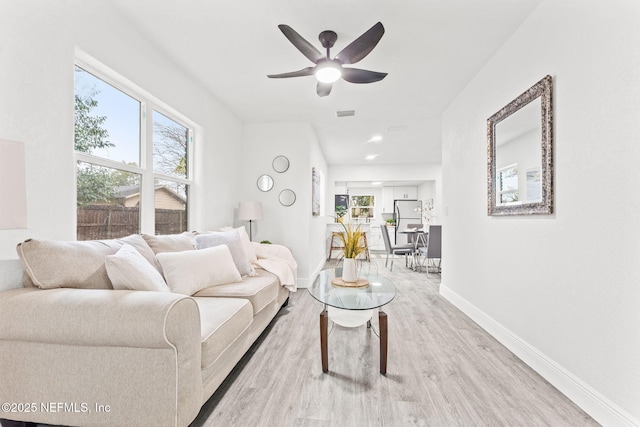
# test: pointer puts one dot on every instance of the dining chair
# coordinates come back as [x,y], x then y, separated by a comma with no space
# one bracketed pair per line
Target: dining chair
[433,248]
[394,250]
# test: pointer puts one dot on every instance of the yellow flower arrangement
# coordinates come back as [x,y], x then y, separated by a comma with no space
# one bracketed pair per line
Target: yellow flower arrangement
[352,241]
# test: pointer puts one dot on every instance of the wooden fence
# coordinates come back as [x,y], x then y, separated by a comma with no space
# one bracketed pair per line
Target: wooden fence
[113,221]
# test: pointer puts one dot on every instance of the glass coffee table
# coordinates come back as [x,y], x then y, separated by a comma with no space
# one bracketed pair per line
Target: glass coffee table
[352,306]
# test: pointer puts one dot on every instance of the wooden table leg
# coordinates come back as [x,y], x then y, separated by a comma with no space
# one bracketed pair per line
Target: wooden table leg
[382,320]
[324,336]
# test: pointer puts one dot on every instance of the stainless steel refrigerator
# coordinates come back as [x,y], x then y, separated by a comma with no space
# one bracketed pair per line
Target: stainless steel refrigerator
[406,212]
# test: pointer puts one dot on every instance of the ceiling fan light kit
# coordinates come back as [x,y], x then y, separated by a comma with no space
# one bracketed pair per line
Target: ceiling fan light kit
[328,70]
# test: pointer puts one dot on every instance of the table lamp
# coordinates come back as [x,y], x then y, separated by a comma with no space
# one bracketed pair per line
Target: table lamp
[249,211]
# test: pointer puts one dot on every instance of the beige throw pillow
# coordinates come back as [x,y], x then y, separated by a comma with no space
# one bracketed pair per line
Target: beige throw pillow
[233,242]
[141,245]
[170,242]
[128,269]
[188,272]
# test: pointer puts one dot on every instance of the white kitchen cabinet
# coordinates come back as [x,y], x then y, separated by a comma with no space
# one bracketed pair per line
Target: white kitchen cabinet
[387,199]
[374,239]
[405,193]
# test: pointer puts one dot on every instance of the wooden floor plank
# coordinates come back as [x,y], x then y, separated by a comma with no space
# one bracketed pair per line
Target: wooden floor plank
[443,370]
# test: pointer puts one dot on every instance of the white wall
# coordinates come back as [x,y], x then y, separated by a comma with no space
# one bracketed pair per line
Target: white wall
[559,290]
[293,226]
[427,191]
[36,107]
[318,225]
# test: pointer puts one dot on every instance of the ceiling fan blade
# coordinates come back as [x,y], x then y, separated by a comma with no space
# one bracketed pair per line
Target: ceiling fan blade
[301,44]
[361,46]
[324,89]
[356,75]
[300,73]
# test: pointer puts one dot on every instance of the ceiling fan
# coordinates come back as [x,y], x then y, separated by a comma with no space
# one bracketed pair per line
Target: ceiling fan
[328,70]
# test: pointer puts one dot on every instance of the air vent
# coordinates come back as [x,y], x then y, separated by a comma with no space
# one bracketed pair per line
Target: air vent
[346,113]
[400,128]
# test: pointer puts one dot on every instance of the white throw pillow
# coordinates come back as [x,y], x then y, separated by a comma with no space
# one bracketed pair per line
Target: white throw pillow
[128,269]
[188,272]
[233,242]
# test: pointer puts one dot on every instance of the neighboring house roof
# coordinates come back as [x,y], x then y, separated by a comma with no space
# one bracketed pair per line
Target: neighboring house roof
[129,191]
[126,191]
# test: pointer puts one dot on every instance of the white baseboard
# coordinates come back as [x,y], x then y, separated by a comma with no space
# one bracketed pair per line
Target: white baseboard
[305,282]
[590,400]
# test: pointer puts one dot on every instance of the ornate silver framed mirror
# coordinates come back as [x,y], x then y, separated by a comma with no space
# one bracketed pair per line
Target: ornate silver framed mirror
[287,197]
[280,164]
[264,183]
[520,154]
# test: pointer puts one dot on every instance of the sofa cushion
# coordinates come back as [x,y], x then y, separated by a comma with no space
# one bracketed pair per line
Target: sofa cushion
[234,243]
[222,321]
[260,290]
[67,264]
[128,269]
[187,272]
[170,242]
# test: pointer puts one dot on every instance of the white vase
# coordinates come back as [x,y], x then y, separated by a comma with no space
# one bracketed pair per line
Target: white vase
[349,270]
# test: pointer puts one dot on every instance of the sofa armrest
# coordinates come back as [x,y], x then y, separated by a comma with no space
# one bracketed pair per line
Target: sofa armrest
[96,317]
[138,352]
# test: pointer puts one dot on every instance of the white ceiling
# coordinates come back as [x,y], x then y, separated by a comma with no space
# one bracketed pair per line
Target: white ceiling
[431,50]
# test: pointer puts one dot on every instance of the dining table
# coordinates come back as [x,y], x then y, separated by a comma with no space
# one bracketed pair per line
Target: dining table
[418,237]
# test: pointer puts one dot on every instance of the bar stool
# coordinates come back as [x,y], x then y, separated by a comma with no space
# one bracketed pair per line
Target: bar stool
[335,236]
[366,246]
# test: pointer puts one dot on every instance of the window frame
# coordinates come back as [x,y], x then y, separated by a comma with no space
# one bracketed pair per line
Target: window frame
[148,104]
[499,180]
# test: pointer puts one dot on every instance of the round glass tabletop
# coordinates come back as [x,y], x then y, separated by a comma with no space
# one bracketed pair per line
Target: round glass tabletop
[378,292]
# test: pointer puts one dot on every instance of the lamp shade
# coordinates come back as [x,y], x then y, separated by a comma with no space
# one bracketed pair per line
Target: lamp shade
[248,211]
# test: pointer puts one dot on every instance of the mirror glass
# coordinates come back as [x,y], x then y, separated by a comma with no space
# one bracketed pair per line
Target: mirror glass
[287,197]
[519,154]
[265,183]
[280,164]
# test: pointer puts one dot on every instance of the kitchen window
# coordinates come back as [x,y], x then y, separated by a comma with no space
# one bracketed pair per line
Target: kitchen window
[362,208]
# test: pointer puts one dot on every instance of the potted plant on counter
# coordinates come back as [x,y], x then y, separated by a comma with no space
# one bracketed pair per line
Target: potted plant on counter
[352,240]
[340,212]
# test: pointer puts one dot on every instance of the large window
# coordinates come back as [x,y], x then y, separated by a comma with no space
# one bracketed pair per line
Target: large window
[133,159]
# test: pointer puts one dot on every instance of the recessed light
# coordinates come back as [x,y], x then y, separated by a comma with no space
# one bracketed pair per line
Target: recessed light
[371,156]
[375,138]
[376,183]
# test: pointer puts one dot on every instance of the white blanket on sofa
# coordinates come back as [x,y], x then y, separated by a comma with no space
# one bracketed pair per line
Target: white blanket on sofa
[278,259]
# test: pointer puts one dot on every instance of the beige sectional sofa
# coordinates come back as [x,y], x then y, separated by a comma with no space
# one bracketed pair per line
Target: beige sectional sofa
[99,356]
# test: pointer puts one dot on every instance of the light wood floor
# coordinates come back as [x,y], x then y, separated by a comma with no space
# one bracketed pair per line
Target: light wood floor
[443,370]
